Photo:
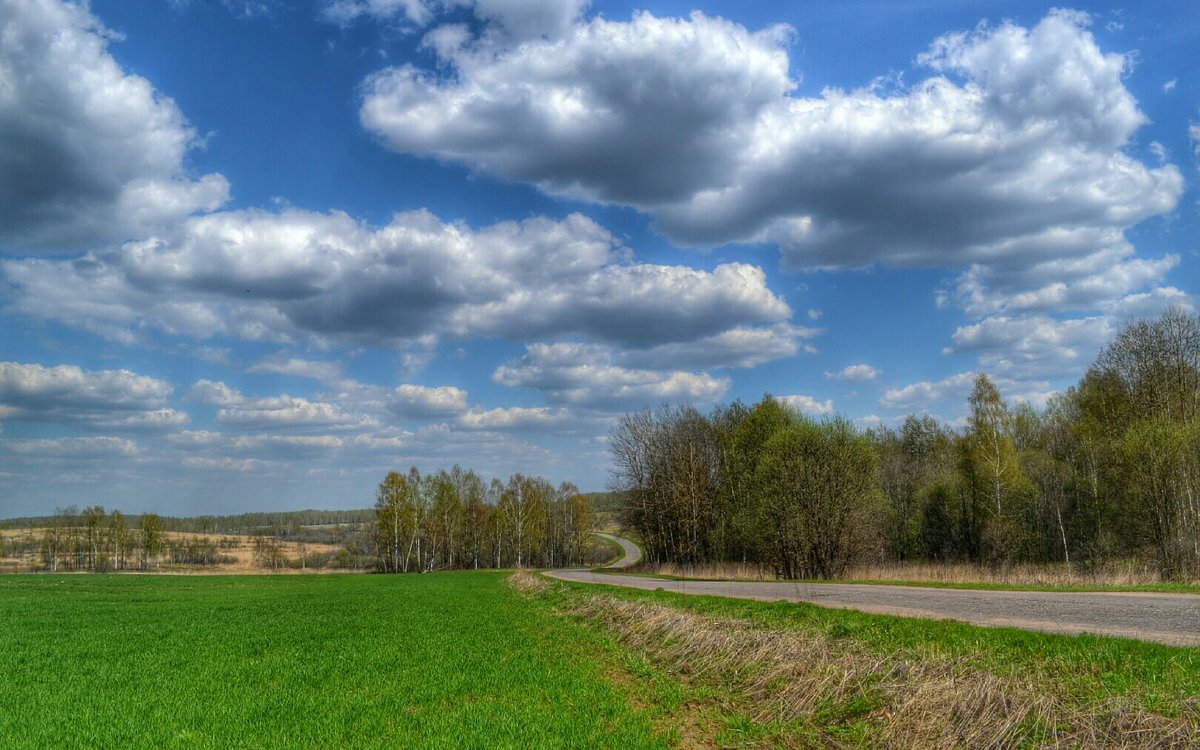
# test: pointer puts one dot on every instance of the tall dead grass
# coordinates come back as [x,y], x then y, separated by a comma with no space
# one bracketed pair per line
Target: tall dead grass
[925,702]
[527,583]
[1120,573]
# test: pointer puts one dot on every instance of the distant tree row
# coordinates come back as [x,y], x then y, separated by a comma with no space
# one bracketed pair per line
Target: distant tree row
[98,541]
[1108,469]
[454,519]
[324,526]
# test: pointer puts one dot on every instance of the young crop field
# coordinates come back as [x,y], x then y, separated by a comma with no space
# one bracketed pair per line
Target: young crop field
[466,659]
[440,660]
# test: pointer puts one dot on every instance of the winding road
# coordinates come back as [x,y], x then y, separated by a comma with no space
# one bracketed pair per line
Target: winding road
[1171,619]
[631,553]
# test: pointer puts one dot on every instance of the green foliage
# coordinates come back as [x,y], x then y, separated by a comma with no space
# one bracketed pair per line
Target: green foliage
[1109,469]
[444,660]
[449,520]
[819,484]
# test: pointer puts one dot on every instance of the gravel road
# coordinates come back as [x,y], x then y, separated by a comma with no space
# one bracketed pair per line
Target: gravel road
[1172,619]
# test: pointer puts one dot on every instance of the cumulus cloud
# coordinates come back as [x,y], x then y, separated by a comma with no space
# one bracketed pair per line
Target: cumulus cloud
[424,402]
[744,346]
[1008,159]
[1034,346]
[696,122]
[925,393]
[87,152]
[296,274]
[98,399]
[282,413]
[855,372]
[344,12]
[808,405]
[516,418]
[73,448]
[324,372]
[644,111]
[586,375]
[214,393]
[1097,277]
[290,413]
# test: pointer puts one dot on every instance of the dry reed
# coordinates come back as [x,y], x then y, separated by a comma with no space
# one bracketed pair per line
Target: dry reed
[908,702]
[1120,573]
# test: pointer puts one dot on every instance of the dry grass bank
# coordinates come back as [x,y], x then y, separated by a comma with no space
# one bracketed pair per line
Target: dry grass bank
[821,691]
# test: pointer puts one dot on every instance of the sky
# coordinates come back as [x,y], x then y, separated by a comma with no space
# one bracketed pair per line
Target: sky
[254,254]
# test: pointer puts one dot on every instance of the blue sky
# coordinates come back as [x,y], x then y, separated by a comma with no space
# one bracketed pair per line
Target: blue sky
[256,253]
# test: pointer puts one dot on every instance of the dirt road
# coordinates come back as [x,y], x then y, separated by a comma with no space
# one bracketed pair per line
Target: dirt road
[1171,619]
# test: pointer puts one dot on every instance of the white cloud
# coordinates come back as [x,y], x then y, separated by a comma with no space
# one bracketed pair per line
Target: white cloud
[1009,160]
[642,111]
[292,275]
[855,372]
[283,412]
[323,372]
[88,153]
[1090,271]
[1170,85]
[290,413]
[738,347]
[696,122]
[1035,345]
[923,394]
[515,418]
[585,375]
[73,448]
[423,402]
[226,463]
[808,405]
[98,399]
[344,12]
[214,393]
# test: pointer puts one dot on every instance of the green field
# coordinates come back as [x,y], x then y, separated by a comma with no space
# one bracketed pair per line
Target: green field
[465,660]
[440,660]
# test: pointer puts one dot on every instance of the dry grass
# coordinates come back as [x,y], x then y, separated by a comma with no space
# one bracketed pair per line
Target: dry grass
[1120,573]
[835,693]
[714,571]
[527,583]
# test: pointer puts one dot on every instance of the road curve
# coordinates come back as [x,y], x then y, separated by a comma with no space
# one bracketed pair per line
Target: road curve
[632,554]
[1171,619]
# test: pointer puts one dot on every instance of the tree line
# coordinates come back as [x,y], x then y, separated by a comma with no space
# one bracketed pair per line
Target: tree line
[453,519]
[1108,469]
[96,540]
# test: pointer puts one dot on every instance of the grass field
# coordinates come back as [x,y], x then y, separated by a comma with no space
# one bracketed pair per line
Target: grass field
[467,660]
[440,660]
